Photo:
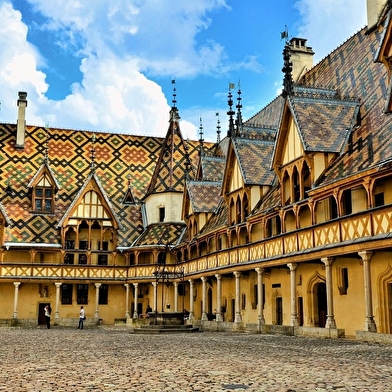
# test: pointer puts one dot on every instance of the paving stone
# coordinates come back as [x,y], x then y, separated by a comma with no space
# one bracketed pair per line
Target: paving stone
[111,359]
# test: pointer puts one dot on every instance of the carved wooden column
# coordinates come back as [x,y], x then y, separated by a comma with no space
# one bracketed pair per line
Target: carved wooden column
[330,323]
[155,285]
[370,324]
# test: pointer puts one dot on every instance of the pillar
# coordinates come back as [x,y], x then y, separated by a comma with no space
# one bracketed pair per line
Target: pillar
[127,315]
[370,324]
[293,293]
[204,316]
[16,294]
[218,297]
[57,305]
[330,323]
[155,285]
[135,315]
[191,304]
[97,286]
[237,318]
[260,296]
[175,296]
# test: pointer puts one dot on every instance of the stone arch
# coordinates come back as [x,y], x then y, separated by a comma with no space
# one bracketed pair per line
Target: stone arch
[384,283]
[312,298]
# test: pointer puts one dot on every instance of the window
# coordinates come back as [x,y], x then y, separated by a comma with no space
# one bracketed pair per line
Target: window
[379,199]
[82,259]
[66,294]
[161,214]
[43,199]
[69,258]
[82,298]
[103,294]
[102,259]
[344,286]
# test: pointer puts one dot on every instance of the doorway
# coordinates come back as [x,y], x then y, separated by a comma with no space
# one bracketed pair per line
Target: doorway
[41,313]
[279,311]
[321,305]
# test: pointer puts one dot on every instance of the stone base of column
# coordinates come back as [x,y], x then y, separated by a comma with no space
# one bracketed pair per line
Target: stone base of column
[218,317]
[370,325]
[204,317]
[135,315]
[330,322]
[191,316]
[238,318]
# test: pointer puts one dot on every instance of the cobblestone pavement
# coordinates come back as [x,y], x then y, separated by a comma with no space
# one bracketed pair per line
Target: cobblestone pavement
[112,359]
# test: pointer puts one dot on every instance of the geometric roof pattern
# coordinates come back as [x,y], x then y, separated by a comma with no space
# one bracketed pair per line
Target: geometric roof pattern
[161,234]
[204,195]
[121,161]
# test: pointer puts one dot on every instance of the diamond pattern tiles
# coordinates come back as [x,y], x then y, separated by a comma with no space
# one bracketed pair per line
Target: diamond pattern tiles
[161,234]
[120,161]
[204,195]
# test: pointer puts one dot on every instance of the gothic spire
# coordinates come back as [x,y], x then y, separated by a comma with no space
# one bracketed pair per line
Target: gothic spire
[230,112]
[287,71]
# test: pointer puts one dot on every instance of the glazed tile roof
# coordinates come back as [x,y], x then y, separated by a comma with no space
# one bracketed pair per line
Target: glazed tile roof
[269,116]
[218,220]
[324,122]
[212,168]
[255,157]
[171,169]
[204,195]
[161,234]
[121,160]
[352,69]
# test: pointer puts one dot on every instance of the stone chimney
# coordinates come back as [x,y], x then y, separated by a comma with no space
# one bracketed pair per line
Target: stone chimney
[301,56]
[374,8]
[21,122]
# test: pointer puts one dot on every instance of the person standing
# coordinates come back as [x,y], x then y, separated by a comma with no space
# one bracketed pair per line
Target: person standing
[48,311]
[81,318]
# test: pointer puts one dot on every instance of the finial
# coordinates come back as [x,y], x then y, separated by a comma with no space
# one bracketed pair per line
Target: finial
[218,129]
[230,112]
[239,115]
[284,34]
[201,138]
[287,69]
[174,101]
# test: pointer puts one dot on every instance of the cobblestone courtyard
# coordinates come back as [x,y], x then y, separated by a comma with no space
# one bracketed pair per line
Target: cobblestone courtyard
[111,359]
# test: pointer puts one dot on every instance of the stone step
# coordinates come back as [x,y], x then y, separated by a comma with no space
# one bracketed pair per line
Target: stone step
[156,329]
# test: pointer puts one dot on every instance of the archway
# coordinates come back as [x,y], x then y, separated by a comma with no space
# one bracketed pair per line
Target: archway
[320,308]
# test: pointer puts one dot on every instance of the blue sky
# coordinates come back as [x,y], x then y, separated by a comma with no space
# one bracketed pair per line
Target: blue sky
[109,65]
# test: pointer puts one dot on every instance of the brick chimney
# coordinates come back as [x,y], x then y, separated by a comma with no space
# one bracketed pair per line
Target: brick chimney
[21,122]
[301,56]
[374,8]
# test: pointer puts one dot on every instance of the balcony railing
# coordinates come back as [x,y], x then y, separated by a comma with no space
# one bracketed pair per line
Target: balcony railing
[365,226]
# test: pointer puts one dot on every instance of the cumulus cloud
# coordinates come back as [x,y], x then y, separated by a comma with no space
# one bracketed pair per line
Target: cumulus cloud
[330,23]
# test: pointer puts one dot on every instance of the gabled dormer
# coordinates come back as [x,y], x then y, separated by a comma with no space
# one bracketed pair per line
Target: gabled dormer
[90,223]
[43,188]
[201,199]
[316,125]
[129,198]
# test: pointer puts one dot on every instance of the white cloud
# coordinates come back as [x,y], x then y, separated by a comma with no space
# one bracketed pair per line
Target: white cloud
[328,24]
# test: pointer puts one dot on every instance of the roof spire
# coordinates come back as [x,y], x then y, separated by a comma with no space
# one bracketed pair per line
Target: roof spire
[174,116]
[230,112]
[218,129]
[287,70]
[46,159]
[239,115]
[201,138]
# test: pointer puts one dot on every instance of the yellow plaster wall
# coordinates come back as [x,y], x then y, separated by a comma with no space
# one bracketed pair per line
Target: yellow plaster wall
[293,147]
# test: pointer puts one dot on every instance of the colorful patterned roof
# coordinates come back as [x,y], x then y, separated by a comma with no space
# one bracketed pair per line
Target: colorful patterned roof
[204,195]
[121,160]
[212,168]
[324,121]
[255,157]
[351,67]
[171,168]
[161,234]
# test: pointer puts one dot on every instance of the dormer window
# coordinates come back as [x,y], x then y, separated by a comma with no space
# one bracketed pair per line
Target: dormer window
[43,196]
